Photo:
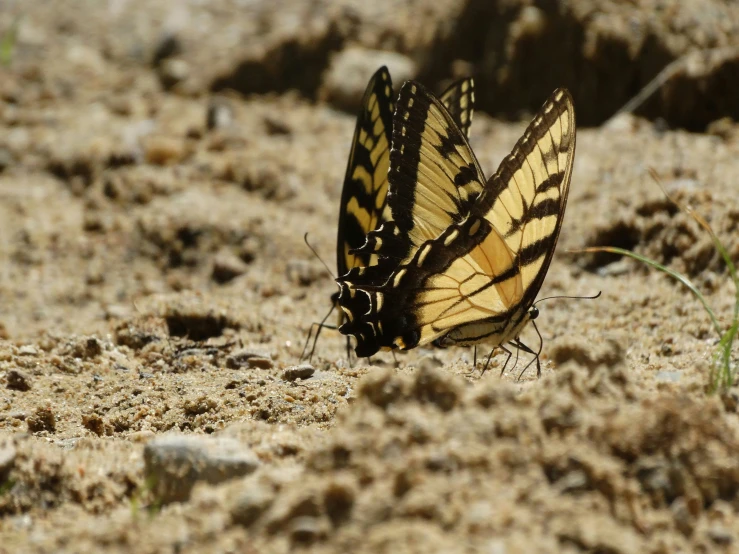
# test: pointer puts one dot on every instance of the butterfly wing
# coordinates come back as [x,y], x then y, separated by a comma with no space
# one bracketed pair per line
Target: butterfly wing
[459,100]
[476,278]
[364,194]
[526,198]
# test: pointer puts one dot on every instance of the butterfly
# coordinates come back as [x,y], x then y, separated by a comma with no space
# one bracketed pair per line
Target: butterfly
[363,205]
[462,258]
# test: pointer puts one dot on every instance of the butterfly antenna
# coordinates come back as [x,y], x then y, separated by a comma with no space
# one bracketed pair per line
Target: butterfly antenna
[305,238]
[570,297]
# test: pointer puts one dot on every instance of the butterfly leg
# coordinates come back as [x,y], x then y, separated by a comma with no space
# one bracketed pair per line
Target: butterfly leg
[320,326]
[521,346]
[518,344]
[508,358]
[395,358]
[474,358]
[349,351]
[487,361]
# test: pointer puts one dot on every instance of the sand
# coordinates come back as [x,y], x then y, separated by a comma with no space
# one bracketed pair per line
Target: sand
[155,283]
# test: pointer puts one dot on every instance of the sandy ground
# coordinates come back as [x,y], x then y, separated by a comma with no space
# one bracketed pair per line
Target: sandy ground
[155,283]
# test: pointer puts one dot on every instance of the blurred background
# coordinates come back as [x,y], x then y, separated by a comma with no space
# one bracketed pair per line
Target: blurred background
[604,51]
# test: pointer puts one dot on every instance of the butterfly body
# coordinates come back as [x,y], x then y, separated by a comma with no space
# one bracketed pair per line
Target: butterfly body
[463,258]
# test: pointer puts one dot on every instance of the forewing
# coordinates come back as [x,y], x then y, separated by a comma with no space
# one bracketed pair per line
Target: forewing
[434,176]
[526,198]
[363,205]
[459,100]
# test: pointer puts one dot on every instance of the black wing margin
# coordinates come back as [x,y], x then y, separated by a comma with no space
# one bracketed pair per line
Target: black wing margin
[364,194]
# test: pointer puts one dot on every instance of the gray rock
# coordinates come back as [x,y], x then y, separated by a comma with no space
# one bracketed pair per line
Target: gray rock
[303,371]
[175,463]
[346,78]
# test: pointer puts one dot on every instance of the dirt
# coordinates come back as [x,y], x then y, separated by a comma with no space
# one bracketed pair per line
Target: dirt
[160,163]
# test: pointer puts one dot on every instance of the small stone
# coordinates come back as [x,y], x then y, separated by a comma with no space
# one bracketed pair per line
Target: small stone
[160,150]
[260,363]
[668,376]
[19,416]
[227,266]
[139,332]
[173,71]
[168,45]
[303,371]
[83,348]
[305,529]
[142,436]
[43,419]
[249,359]
[199,404]
[719,535]
[27,350]
[17,380]
[175,463]
[220,114]
[250,505]
[428,362]
[350,69]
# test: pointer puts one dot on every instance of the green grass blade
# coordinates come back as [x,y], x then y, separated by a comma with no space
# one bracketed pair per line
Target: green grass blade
[672,273]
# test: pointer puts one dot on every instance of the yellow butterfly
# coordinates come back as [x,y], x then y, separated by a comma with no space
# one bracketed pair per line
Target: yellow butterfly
[462,259]
[363,205]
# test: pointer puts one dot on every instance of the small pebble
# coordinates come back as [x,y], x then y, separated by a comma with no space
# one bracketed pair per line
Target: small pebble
[249,359]
[303,371]
[305,529]
[163,150]
[220,114]
[261,363]
[250,505]
[27,350]
[173,71]
[227,266]
[177,462]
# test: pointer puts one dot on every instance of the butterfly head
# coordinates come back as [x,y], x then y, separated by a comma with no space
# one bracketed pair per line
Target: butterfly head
[533,312]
